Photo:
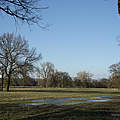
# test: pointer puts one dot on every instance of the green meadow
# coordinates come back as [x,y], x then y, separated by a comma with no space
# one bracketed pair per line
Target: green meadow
[12,108]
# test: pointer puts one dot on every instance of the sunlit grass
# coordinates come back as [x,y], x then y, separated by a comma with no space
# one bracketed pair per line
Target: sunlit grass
[43,93]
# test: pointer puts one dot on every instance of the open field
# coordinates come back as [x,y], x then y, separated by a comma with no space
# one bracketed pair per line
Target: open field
[10,108]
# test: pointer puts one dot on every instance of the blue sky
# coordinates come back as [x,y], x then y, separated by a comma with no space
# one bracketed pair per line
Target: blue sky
[83,35]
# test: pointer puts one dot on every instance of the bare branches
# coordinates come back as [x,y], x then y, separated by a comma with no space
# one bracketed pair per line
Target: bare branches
[25,10]
[119,6]
[15,56]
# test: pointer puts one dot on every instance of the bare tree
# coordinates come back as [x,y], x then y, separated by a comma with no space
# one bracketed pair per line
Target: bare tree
[46,71]
[85,78]
[24,10]
[115,69]
[115,75]
[15,55]
[63,79]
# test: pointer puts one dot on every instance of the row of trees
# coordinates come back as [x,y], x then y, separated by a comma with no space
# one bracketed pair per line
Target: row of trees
[17,68]
[48,76]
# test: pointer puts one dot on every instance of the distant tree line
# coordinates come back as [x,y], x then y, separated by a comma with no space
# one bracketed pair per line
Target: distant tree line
[48,76]
[17,68]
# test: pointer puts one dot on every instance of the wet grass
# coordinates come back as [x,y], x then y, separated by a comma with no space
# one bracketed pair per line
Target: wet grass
[10,108]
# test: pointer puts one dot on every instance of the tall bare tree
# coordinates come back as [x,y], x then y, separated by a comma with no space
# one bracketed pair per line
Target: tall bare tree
[15,55]
[24,10]
[46,71]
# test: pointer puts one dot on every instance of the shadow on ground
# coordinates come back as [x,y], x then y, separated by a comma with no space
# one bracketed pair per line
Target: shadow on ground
[97,111]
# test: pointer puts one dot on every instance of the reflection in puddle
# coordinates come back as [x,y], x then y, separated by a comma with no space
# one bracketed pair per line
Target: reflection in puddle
[68,101]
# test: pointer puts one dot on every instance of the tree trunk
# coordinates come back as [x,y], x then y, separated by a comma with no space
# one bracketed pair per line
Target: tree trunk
[8,83]
[2,81]
[46,83]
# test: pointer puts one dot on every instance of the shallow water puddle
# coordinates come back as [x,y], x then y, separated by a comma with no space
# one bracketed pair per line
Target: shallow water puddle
[68,101]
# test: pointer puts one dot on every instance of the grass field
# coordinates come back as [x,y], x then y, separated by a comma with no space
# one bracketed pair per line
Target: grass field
[10,108]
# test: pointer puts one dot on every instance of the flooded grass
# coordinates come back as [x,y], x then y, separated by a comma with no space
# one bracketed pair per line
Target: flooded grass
[69,101]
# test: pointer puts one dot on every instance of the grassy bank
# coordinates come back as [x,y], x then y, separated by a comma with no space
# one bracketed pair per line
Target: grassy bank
[11,110]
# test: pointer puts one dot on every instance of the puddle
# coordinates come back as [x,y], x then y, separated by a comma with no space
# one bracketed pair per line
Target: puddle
[68,101]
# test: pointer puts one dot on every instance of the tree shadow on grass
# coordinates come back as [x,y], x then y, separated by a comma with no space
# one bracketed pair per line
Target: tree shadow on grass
[69,113]
[97,111]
